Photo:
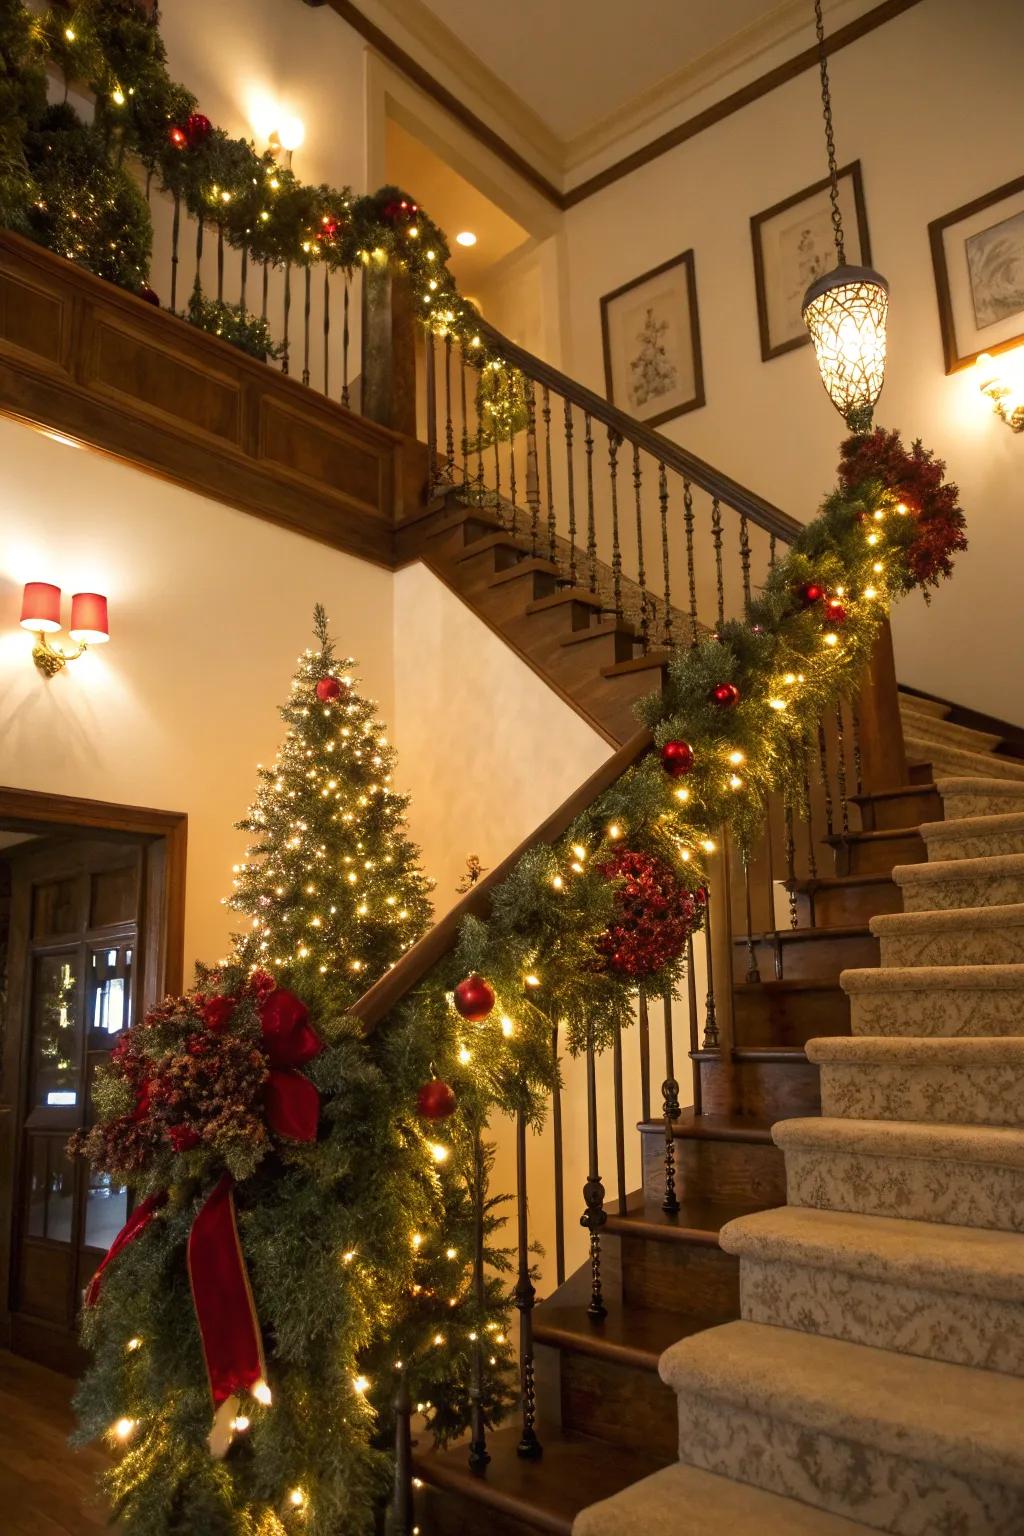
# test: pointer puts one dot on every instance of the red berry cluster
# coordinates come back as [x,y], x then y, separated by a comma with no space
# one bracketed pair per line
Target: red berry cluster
[656,915]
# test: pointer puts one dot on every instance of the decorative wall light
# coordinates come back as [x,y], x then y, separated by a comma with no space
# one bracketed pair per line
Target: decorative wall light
[846,309]
[286,138]
[1002,379]
[40,613]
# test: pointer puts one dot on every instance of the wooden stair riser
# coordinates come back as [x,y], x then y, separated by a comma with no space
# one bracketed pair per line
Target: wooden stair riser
[770,1016]
[889,812]
[844,906]
[473,574]
[614,1401]
[730,1171]
[772,1090]
[874,855]
[447,1513]
[506,600]
[808,954]
[690,1278]
[448,540]
[600,646]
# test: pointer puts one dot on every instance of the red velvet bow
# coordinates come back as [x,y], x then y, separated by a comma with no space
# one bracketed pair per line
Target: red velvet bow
[291,1101]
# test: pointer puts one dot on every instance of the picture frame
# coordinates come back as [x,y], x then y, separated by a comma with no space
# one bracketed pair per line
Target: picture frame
[650,329]
[794,243]
[978,257]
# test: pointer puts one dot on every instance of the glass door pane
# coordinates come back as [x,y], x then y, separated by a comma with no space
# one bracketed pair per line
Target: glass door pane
[54,1048]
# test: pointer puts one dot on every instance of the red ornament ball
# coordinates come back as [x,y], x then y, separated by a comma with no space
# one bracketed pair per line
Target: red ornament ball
[474,999]
[197,129]
[811,593]
[436,1100]
[656,914]
[835,613]
[725,695]
[327,689]
[150,296]
[677,758]
[177,137]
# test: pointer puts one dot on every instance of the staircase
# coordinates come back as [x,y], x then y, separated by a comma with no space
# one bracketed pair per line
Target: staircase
[747,1347]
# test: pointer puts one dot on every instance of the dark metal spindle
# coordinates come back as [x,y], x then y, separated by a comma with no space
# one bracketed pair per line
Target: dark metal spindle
[614,442]
[345,338]
[645,1056]
[479,1455]
[620,1119]
[175,236]
[556,1136]
[745,558]
[285,357]
[570,492]
[532,469]
[529,1447]
[711,1038]
[666,628]
[791,863]
[594,1215]
[465,415]
[641,572]
[307,306]
[198,284]
[844,806]
[857,762]
[327,330]
[753,972]
[431,407]
[770,871]
[510,394]
[546,414]
[480,493]
[716,536]
[243,277]
[693,1012]
[690,567]
[670,1109]
[220,263]
[825,783]
[588,440]
[266,290]
[812,861]
[449,426]
[401,1521]
[771,552]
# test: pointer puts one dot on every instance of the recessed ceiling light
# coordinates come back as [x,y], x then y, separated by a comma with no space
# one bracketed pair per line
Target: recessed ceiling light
[466,237]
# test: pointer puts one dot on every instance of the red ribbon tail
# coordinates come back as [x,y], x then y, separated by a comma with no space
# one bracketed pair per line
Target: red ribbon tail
[292,1105]
[228,1327]
[137,1222]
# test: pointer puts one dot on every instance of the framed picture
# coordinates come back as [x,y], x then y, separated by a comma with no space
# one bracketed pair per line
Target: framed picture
[652,359]
[794,244]
[978,255]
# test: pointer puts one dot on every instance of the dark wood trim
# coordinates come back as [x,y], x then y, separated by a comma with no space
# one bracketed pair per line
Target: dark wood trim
[686,261]
[759,219]
[418,961]
[770,81]
[936,231]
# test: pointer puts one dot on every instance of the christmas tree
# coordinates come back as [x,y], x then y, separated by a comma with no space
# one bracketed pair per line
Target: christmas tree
[653,371]
[331,883]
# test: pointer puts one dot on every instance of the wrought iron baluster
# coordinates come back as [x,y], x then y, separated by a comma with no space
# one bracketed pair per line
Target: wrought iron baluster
[480,495]
[620,1119]
[449,427]
[745,558]
[711,1037]
[546,414]
[532,469]
[401,1522]
[594,1216]
[570,491]
[588,439]
[670,1109]
[285,356]
[666,628]
[857,763]
[509,394]
[614,443]
[529,1447]
[641,572]
[791,863]
[644,1031]
[825,784]
[753,971]
[431,409]
[812,861]
[346,335]
[771,552]
[197,286]
[243,277]
[266,290]
[175,237]
[693,1014]
[327,330]
[690,567]
[716,537]
[770,867]
[307,306]
[559,1170]
[220,263]
[479,1456]
[844,806]
[465,415]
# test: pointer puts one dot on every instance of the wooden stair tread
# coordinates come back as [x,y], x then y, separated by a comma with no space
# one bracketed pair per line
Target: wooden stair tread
[652,659]
[798,984]
[838,882]
[500,539]
[629,1335]
[457,518]
[693,1127]
[568,595]
[780,1053]
[887,834]
[604,627]
[903,791]
[696,1221]
[546,1495]
[532,565]
[788,935]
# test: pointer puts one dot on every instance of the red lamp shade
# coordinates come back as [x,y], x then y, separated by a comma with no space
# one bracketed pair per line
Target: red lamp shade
[40,607]
[89,624]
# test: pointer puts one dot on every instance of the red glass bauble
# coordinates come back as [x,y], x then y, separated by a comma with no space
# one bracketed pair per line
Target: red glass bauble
[147,293]
[677,758]
[329,228]
[177,137]
[197,129]
[328,688]
[725,695]
[436,1100]
[811,593]
[835,613]
[474,999]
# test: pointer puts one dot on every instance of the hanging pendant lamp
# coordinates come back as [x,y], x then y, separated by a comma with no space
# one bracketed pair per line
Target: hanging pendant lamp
[846,309]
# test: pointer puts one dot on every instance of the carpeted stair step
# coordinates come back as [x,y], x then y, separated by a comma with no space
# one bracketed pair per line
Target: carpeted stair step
[954,1081]
[974,837]
[684,1501]
[936,1000]
[979,796]
[967,1176]
[944,732]
[949,761]
[967,936]
[934,707]
[993,880]
[945,1293]
[907,1446]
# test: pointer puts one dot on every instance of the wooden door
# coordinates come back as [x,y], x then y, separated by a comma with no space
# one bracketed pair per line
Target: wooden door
[76,957]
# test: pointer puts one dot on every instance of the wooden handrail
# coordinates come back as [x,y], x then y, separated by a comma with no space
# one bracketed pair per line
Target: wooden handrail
[377,1003]
[771,518]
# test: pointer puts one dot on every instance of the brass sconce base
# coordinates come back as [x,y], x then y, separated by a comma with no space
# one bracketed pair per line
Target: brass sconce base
[51,659]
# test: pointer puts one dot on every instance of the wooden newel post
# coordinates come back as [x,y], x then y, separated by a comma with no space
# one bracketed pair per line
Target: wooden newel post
[389,348]
[883,755]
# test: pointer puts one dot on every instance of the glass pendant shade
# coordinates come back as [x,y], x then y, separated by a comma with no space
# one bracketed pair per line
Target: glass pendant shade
[845,312]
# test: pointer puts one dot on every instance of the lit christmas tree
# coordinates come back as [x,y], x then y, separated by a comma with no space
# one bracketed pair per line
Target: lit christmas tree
[653,371]
[331,882]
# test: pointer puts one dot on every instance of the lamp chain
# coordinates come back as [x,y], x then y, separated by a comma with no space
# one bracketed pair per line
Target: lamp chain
[826,107]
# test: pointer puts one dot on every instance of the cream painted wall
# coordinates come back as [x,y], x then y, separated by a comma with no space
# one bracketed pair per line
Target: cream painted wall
[208,610]
[931,104]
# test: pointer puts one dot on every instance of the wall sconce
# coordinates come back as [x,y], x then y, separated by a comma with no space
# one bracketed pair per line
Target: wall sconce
[40,613]
[1002,379]
[287,138]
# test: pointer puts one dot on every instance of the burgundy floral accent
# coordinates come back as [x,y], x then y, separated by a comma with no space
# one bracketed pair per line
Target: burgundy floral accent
[183,1138]
[916,480]
[217,1012]
[657,914]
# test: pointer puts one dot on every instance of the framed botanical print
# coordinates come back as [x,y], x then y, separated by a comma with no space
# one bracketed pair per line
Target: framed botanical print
[794,245]
[978,256]
[652,359]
